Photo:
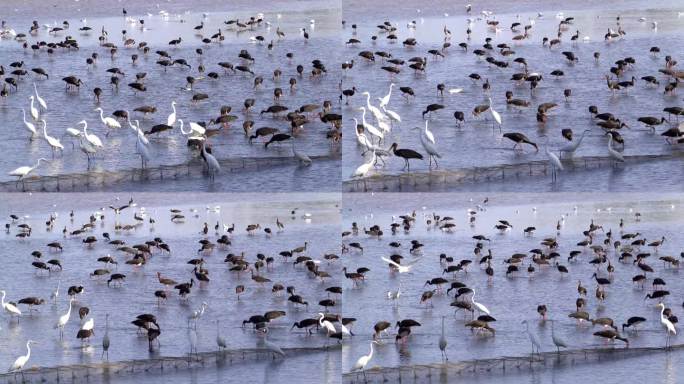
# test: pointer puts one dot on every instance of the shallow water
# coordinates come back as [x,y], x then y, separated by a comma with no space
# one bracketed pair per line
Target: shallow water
[511,299]
[136,295]
[478,142]
[65,109]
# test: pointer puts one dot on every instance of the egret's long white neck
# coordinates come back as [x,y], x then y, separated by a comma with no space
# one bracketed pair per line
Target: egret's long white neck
[28,350]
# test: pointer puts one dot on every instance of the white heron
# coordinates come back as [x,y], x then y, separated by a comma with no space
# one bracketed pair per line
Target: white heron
[138,131]
[64,319]
[617,156]
[328,326]
[401,268]
[42,102]
[373,109]
[55,294]
[109,122]
[533,338]
[429,145]
[142,150]
[195,129]
[54,142]
[74,134]
[192,336]
[443,342]
[105,338]
[394,117]
[428,134]
[302,157]
[384,101]
[28,125]
[345,330]
[34,111]
[670,328]
[19,363]
[454,91]
[276,350]
[87,148]
[495,114]
[361,363]
[369,127]
[572,147]
[10,308]
[220,341]
[196,314]
[171,120]
[557,341]
[554,161]
[477,305]
[24,171]
[213,165]
[361,138]
[91,137]
[364,168]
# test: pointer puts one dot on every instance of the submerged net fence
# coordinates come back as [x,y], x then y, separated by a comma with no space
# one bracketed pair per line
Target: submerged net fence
[193,169]
[78,373]
[438,178]
[451,371]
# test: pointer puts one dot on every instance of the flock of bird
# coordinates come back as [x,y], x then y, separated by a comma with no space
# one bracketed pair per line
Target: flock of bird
[118,67]
[601,257]
[111,242]
[392,50]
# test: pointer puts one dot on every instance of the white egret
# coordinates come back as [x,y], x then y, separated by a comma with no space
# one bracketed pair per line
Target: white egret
[24,171]
[213,165]
[87,148]
[373,109]
[142,150]
[138,131]
[429,145]
[533,338]
[443,342]
[34,111]
[192,336]
[328,326]
[454,91]
[42,102]
[105,338]
[64,319]
[273,348]
[495,114]
[384,101]
[401,268]
[19,363]
[557,341]
[54,142]
[73,133]
[109,122]
[91,137]
[670,328]
[220,341]
[10,308]
[572,147]
[394,117]
[28,125]
[428,134]
[196,314]
[361,363]
[302,157]
[55,294]
[617,156]
[477,305]
[171,120]
[554,161]
[364,168]
[194,129]
[368,127]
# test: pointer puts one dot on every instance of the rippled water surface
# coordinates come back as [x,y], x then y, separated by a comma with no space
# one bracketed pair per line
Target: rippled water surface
[516,297]
[316,220]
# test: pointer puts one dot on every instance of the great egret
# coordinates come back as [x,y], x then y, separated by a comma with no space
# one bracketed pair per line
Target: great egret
[329,328]
[105,338]
[454,91]
[302,157]
[443,342]
[42,102]
[29,125]
[22,360]
[34,111]
[495,114]
[532,336]
[196,314]
[64,319]
[368,127]
[361,363]
[401,268]
[54,143]
[617,156]
[92,138]
[10,308]
[554,161]
[171,120]
[24,171]
[74,134]
[363,169]
[670,328]
[428,134]
[192,336]
[194,129]
[572,147]
[220,341]
[477,305]
[109,122]
[557,341]
[385,100]
[142,150]
[373,109]
[213,165]
[392,115]
[273,348]
[138,131]
[428,145]
[87,148]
